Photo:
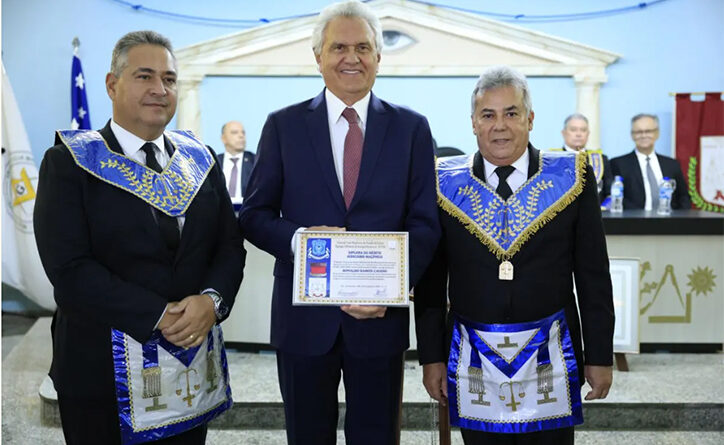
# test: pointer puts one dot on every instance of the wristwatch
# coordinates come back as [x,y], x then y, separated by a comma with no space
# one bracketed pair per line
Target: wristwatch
[220,308]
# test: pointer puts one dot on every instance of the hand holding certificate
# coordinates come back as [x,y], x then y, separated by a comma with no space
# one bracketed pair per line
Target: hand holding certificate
[351,268]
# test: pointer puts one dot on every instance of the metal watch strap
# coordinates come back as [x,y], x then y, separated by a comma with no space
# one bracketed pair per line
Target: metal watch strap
[219,306]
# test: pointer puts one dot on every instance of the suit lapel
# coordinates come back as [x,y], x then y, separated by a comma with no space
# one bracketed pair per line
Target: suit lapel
[318,126]
[634,163]
[376,128]
[110,138]
[533,160]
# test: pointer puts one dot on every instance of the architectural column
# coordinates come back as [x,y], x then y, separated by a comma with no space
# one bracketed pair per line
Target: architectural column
[588,85]
[188,113]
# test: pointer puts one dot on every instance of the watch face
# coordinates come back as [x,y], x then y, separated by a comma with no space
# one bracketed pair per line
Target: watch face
[220,307]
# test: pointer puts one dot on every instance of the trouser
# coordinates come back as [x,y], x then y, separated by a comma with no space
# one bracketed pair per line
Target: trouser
[561,436]
[95,421]
[309,387]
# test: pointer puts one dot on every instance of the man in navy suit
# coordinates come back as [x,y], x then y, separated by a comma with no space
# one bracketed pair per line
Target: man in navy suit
[643,169]
[236,162]
[306,177]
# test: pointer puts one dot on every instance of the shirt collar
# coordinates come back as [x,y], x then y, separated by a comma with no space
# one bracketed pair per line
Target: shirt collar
[572,150]
[521,165]
[129,142]
[231,155]
[642,157]
[335,107]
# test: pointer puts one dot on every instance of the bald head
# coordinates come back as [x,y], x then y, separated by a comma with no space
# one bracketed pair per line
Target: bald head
[233,136]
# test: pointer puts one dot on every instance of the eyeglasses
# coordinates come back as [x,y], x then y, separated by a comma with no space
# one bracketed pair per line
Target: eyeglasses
[651,132]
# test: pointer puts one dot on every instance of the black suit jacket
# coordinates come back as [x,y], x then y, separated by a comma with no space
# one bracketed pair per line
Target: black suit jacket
[634,193]
[246,166]
[466,272]
[103,252]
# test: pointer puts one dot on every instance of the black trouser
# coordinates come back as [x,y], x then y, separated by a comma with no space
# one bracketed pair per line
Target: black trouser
[309,388]
[561,436]
[94,422]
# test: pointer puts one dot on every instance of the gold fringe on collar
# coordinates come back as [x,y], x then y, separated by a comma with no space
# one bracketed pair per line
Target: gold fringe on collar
[546,216]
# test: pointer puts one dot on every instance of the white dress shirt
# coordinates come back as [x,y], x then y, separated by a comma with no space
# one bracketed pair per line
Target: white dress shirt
[228,165]
[516,179]
[654,161]
[338,127]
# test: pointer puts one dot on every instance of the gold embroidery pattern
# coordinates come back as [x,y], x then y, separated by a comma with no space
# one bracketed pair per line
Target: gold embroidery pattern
[495,350]
[458,374]
[134,426]
[488,234]
[184,184]
[143,188]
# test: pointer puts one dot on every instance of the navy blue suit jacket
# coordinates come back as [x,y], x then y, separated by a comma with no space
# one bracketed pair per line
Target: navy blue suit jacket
[294,184]
[246,166]
[634,193]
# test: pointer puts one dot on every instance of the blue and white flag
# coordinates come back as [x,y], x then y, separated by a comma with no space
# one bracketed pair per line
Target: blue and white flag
[79,102]
[21,266]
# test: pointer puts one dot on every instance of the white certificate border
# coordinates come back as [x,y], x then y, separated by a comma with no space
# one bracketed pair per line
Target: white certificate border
[300,262]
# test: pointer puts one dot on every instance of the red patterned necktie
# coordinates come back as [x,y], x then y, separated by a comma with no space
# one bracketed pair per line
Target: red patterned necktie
[352,155]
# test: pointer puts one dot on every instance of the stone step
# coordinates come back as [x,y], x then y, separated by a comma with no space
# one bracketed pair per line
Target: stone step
[419,416]
[658,393]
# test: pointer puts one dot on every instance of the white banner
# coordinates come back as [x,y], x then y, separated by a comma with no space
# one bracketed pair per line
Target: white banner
[711,169]
[21,267]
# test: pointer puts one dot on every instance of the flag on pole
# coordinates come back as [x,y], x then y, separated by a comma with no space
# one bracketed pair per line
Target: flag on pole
[80,118]
[21,266]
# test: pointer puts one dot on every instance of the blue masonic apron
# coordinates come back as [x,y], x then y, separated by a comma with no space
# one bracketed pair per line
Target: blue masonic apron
[162,389]
[523,377]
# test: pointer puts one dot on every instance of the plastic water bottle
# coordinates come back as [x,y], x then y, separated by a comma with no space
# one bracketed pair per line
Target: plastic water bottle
[617,195]
[666,191]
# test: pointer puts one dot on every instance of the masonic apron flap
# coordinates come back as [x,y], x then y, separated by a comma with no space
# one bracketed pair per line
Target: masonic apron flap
[163,390]
[513,378]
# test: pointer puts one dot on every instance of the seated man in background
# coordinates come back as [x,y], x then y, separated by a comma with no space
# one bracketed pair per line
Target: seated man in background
[575,137]
[236,162]
[643,169]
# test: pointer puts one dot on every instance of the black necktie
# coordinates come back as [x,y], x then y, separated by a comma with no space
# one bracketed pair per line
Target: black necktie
[503,188]
[167,224]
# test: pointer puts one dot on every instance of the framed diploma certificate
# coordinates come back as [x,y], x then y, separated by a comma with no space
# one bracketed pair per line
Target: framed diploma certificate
[336,268]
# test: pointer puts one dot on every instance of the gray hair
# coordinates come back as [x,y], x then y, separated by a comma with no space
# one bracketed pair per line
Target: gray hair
[351,9]
[119,60]
[643,115]
[574,116]
[502,76]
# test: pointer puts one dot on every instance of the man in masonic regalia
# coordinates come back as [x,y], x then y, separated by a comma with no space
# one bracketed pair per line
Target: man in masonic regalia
[136,232]
[510,356]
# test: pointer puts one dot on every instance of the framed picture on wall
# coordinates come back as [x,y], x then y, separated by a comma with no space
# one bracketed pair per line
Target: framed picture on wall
[625,283]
